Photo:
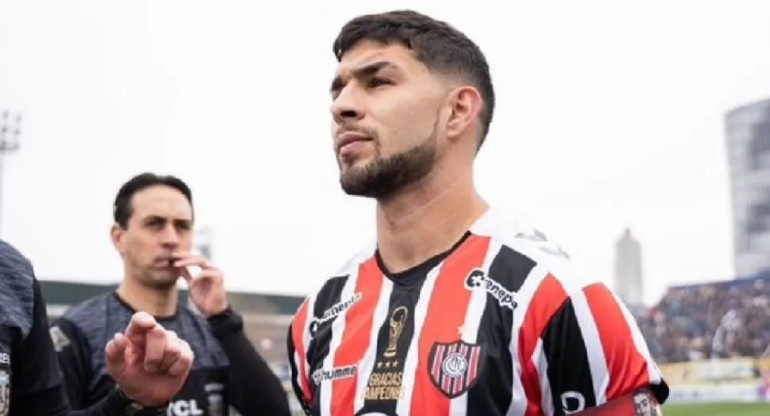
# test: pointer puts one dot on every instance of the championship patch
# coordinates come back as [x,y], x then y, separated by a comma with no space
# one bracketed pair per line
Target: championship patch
[455,367]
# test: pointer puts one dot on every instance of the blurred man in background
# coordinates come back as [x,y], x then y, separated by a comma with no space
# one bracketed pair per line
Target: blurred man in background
[458,309]
[153,232]
[149,364]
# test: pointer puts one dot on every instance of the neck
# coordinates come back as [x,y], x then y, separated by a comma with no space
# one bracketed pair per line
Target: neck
[426,219]
[157,302]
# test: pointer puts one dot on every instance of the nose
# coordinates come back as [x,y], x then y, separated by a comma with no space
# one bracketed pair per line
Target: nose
[347,106]
[170,236]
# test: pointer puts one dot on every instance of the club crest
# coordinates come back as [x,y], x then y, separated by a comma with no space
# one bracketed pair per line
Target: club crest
[455,367]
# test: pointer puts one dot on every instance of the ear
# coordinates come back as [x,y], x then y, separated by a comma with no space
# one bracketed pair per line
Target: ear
[117,235]
[465,104]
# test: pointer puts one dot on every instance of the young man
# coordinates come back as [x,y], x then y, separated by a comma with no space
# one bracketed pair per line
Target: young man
[153,233]
[457,309]
[148,363]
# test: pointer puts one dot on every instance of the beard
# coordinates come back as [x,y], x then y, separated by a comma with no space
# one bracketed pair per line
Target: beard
[384,176]
[160,280]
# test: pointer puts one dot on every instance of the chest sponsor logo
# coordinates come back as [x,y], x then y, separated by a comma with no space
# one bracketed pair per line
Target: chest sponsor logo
[332,312]
[184,408]
[336,373]
[477,279]
[455,367]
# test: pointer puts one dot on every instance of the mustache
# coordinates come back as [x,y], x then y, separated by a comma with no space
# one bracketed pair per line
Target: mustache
[366,131]
[169,257]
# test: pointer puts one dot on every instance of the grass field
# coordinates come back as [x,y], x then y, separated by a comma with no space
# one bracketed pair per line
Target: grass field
[718,409]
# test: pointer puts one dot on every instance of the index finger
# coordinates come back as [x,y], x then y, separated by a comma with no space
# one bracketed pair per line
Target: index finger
[199,261]
[157,344]
[138,326]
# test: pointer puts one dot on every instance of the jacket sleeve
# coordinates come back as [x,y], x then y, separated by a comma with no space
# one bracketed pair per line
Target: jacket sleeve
[252,386]
[74,357]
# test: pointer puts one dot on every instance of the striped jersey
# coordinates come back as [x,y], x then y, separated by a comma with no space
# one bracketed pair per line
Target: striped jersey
[498,325]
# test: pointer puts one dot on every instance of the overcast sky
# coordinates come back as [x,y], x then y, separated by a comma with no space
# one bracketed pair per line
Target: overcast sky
[610,114]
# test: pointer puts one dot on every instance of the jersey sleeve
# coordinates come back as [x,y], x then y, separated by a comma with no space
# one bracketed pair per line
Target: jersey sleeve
[297,343]
[36,381]
[590,351]
[74,357]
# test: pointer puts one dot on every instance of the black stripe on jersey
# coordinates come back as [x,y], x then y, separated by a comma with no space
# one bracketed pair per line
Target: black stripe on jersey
[569,372]
[493,390]
[321,329]
[511,268]
[389,363]
[294,370]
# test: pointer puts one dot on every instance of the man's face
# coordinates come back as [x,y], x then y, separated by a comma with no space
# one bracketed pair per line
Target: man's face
[386,118]
[158,231]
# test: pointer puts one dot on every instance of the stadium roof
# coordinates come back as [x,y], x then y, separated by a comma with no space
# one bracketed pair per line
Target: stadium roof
[725,283]
[66,294]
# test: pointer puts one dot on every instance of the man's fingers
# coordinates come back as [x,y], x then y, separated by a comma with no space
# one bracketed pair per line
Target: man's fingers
[140,324]
[115,352]
[172,352]
[193,260]
[190,272]
[186,275]
[183,362]
[155,348]
[212,273]
[206,277]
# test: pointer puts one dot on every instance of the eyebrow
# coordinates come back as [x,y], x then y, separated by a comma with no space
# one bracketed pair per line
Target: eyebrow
[364,71]
[175,221]
[183,222]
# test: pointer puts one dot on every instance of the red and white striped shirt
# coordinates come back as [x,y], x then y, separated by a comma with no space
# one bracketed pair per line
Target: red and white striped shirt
[498,325]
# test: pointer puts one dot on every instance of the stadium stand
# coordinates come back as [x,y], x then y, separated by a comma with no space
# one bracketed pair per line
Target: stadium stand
[724,319]
[712,340]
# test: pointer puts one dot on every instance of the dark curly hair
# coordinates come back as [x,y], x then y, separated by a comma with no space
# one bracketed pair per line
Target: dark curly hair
[436,44]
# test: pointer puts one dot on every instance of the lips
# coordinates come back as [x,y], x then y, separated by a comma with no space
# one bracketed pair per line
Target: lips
[166,260]
[346,138]
[164,263]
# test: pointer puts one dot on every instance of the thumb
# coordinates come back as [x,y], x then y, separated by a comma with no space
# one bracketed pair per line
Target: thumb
[186,274]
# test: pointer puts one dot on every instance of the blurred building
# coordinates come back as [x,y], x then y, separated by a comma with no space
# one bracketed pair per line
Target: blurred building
[203,242]
[747,131]
[628,271]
